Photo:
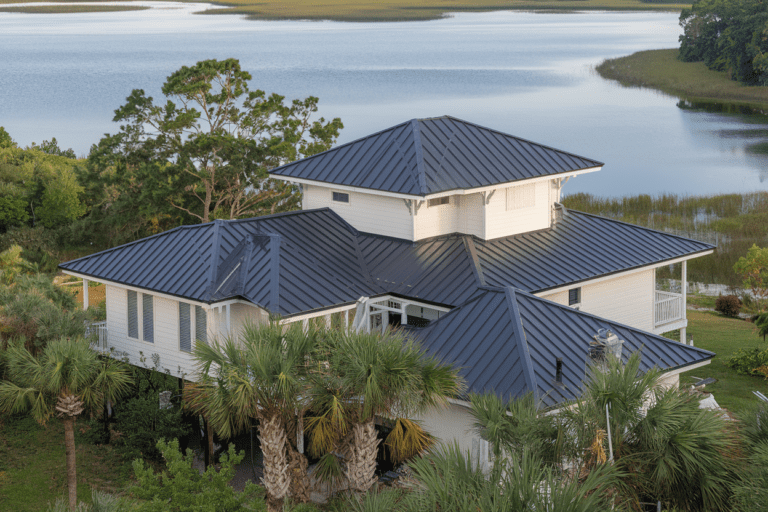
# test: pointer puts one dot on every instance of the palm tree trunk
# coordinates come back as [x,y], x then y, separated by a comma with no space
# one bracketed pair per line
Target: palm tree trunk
[276,477]
[361,464]
[69,443]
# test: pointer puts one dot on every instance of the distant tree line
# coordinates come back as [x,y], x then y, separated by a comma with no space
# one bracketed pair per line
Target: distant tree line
[202,153]
[728,35]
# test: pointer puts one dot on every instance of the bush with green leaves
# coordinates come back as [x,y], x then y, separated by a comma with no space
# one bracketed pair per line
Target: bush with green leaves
[181,487]
[139,421]
[729,305]
[100,502]
[746,362]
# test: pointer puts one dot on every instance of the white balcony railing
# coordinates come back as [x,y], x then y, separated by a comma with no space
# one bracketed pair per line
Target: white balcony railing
[97,331]
[668,308]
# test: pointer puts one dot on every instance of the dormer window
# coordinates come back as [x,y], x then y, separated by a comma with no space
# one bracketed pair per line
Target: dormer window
[439,201]
[341,197]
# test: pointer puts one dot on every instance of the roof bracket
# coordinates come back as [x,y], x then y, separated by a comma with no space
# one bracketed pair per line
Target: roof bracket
[487,196]
[408,204]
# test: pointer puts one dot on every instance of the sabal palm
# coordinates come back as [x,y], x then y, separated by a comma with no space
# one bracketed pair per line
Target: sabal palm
[369,375]
[262,375]
[66,379]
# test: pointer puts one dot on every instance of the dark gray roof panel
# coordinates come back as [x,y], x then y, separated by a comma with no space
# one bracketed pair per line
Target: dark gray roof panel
[579,247]
[291,263]
[506,341]
[428,156]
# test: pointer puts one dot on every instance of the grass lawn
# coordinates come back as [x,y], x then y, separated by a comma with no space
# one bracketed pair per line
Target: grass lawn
[404,10]
[724,336]
[33,465]
[660,69]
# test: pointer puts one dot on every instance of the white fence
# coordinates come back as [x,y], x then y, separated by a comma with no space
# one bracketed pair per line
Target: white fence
[668,308]
[97,332]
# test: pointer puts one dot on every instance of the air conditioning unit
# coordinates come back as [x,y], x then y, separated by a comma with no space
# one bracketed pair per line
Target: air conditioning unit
[605,343]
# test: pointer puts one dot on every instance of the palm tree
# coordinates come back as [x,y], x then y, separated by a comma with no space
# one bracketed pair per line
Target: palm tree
[364,376]
[667,448]
[262,376]
[67,379]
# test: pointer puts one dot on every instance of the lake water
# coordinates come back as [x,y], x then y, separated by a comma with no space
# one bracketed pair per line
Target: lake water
[528,74]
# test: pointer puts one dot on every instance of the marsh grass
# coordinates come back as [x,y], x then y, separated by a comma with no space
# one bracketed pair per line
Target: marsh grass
[660,69]
[405,10]
[733,222]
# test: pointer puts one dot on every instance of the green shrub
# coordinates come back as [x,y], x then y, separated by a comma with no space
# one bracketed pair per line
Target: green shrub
[747,362]
[729,305]
[183,488]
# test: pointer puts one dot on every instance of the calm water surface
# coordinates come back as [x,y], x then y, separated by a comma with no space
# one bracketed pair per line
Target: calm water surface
[529,74]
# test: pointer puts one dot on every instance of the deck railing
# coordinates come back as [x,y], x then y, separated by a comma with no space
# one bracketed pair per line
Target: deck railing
[668,308]
[97,331]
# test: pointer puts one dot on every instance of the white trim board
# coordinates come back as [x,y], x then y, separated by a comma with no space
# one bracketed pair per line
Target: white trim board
[456,192]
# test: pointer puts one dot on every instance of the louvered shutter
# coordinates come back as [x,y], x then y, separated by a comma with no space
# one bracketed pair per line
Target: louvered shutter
[201,325]
[185,336]
[149,318]
[133,315]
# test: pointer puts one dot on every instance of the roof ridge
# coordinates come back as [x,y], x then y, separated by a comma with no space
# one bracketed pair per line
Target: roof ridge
[578,312]
[334,148]
[420,177]
[570,210]
[522,342]
[128,244]
[523,140]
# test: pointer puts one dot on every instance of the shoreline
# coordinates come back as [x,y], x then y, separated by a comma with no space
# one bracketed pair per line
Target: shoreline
[366,11]
[691,81]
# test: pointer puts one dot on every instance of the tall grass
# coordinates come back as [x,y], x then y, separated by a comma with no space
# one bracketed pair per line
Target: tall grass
[733,222]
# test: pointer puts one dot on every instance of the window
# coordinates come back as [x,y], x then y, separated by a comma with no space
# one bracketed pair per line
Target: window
[146,329]
[340,197]
[439,201]
[522,196]
[574,297]
[133,315]
[185,328]
[149,318]
[201,325]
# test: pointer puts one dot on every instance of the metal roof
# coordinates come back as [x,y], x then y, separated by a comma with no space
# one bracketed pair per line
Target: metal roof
[506,341]
[428,156]
[302,261]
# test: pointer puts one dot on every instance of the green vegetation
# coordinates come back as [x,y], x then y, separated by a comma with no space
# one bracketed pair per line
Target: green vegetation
[727,35]
[662,70]
[733,222]
[725,336]
[407,10]
[31,465]
[61,9]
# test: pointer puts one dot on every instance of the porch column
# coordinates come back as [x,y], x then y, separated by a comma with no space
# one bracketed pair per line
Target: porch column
[403,314]
[346,319]
[684,286]
[85,294]
[229,323]
[327,321]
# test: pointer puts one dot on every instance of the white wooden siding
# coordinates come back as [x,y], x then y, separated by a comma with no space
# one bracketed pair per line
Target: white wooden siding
[139,353]
[449,424]
[627,299]
[471,217]
[437,220]
[500,222]
[369,213]
[242,314]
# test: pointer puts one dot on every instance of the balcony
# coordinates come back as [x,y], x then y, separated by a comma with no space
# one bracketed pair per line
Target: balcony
[97,333]
[668,311]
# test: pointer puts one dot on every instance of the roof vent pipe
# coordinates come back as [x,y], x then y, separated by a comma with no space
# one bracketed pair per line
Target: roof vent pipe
[559,370]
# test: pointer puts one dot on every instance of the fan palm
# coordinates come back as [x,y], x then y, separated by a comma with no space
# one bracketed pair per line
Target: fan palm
[365,376]
[262,376]
[66,379]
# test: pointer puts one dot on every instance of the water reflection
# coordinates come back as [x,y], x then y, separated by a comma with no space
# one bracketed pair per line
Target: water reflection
[529,74]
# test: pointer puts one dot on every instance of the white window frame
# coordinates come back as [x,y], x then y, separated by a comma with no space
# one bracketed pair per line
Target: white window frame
[140,317]
[575,305]
[439,201]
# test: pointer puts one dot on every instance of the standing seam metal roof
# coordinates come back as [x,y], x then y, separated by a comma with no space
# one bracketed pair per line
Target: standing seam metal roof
[506,341]
[428,156]
[303,261]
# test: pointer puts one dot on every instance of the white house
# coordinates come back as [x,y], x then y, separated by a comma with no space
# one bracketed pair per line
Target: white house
[443,226]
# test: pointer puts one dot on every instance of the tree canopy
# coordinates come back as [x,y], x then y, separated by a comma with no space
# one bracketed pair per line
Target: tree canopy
[728,35]
[204,153]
